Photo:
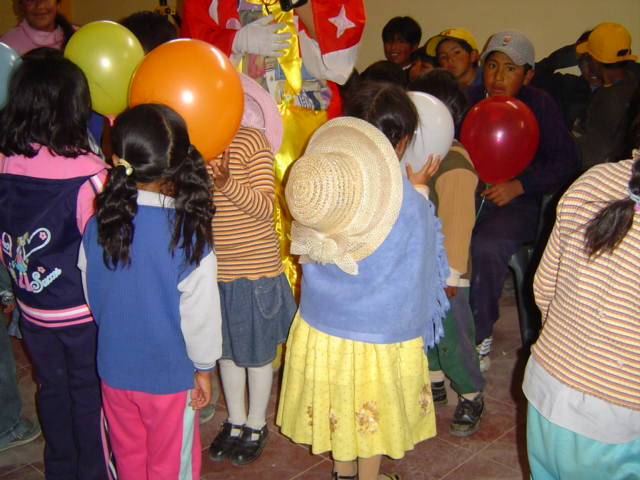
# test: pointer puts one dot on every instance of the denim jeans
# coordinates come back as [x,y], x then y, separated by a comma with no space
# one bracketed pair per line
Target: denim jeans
[9,396]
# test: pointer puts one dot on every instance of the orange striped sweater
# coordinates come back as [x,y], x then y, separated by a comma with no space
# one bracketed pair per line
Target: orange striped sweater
[591,307]
[245,241]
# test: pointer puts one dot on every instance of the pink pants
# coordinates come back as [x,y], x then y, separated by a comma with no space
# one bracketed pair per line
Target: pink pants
[153,437]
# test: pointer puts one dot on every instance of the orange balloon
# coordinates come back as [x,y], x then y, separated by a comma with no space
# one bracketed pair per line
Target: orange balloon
[198,81]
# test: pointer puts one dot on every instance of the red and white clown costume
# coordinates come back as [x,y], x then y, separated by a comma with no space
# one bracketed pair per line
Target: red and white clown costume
[301,77]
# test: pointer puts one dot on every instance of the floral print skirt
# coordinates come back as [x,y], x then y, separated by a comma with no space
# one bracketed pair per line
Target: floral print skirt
[352,398]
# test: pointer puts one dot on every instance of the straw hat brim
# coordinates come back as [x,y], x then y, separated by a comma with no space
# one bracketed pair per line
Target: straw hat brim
[347,185]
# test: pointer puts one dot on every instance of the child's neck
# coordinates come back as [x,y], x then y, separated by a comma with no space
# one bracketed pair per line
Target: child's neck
[156,187]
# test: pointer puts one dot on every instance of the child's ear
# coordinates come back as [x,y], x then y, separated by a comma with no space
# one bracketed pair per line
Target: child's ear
[528,76]
[401,146]
[115,160]
[474,56]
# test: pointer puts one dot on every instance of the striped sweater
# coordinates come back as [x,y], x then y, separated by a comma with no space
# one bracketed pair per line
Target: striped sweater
[246,244]
[590,307]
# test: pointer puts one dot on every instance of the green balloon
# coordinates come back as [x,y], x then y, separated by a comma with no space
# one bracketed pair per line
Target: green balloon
[108,54]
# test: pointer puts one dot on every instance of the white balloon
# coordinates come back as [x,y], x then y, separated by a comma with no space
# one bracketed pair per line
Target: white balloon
[434,134]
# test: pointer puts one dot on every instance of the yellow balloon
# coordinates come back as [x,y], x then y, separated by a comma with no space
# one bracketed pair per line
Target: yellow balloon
[108,54]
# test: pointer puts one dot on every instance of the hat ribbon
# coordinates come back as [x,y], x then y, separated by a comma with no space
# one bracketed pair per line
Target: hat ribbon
[315,246]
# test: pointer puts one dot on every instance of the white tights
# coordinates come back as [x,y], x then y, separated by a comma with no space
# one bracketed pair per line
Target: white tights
[234,381]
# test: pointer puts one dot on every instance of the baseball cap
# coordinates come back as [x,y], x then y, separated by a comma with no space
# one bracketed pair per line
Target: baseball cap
[609,42]
[513,44]
[451,33]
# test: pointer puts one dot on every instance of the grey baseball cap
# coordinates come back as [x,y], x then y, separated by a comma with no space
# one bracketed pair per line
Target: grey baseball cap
[513,44]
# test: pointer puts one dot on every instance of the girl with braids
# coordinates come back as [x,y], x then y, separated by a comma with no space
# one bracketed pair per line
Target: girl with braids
[583,378]
[48,182]
[41,26]
[149,275]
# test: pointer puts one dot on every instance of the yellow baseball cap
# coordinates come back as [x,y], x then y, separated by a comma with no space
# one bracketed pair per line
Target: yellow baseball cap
[609,42]
[451,33]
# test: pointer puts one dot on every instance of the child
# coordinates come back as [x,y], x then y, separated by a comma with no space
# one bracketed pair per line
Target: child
[400,37]
[366,240]
[421,63]
[600,132]
[509,215]
[150,281]
[452,191]
[150,28]
[456,51]
[41,26]
[48,182]
[257,303]
[582,380]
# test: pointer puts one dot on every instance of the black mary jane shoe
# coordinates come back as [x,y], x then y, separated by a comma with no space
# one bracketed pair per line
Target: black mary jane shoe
[247,450]
[223,445]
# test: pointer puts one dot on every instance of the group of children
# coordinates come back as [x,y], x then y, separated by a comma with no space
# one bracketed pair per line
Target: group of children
[133,279]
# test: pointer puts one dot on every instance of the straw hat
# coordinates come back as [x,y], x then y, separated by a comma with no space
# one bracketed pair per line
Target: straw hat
[261,111]
[344,194]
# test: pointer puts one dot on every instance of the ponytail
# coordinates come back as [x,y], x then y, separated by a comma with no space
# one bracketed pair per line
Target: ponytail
[193,205]
[609,227]
[116,206]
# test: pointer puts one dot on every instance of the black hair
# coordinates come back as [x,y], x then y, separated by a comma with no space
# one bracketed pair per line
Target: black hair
[420,54]
[67,28]
[150,28]
[445,87]
[153,139]
[387,107]
[608,228]
[48,104]
[403,28]
[385,71]
[466,46]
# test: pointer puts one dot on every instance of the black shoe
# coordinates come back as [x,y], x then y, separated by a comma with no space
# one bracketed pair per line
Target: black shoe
[222,446]
[466,418]
[439,393]
[247,450]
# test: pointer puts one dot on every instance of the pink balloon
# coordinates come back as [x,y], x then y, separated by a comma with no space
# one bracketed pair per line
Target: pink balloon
[501,135]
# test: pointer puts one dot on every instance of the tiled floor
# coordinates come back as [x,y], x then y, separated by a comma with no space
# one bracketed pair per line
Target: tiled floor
[496,451]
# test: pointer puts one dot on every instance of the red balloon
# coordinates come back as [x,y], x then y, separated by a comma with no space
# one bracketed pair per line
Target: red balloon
[501,135]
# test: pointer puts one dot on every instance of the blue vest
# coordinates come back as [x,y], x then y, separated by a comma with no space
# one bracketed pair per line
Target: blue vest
[398,293]
[137,308]
[40,242]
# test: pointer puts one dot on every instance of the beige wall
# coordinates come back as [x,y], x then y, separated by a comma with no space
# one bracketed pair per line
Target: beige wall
[548,23]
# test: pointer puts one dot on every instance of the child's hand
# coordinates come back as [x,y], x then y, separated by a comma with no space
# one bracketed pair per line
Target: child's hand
[503,193]
[9,308]
[201,393]
[220,169]
[429,169]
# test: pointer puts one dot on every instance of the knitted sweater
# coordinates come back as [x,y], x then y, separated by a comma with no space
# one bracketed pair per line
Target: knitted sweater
[591,340]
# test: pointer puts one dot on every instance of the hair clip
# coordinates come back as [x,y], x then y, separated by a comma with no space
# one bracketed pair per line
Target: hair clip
[636,199]
[128,169]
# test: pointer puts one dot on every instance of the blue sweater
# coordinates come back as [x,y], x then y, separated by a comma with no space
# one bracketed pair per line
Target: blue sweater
[398,293]
[158,319]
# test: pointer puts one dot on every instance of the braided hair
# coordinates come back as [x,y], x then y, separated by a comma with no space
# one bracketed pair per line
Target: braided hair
[153,139]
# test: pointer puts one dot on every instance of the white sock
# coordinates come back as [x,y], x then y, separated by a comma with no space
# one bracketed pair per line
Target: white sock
[234,381]
[436,376]
[260,380]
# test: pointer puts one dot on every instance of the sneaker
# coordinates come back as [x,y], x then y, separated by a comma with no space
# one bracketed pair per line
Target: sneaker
[222,446]
[466,418]
[206,413]
[439,393]
[25,431]
[483,349]
[249,448]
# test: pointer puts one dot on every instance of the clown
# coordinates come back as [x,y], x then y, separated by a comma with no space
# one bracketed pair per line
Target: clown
[299,56]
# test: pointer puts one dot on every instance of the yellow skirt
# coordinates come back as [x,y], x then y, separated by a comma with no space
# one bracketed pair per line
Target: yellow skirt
[352,398]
